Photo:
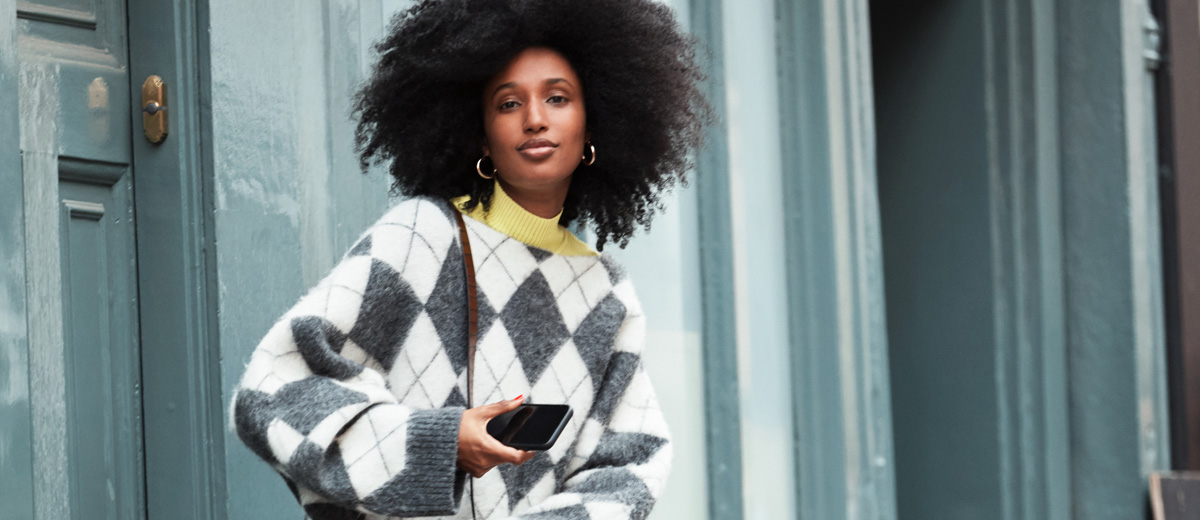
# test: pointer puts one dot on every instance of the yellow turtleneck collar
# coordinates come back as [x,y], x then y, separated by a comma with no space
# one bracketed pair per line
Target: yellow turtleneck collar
[508,217]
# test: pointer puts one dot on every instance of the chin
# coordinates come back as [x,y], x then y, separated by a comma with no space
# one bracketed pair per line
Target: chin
[546,176]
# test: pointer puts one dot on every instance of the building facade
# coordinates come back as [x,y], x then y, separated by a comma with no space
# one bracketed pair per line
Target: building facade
[922,270]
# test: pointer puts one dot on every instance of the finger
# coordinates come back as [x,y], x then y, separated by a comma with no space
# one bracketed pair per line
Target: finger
[526,455]
[500,407]
[498,453]
[517,457]
[497,450]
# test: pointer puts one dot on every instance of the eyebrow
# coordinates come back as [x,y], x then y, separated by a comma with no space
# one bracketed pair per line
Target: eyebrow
[550,81]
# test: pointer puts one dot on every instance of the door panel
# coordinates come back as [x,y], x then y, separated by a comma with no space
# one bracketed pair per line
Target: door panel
[103,405]
[80,69]
[92,25]
[85,369]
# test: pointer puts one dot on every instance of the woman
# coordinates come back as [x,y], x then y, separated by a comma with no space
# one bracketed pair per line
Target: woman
[523,116]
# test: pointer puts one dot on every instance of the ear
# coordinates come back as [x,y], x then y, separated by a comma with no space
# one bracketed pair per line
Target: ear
[483,144]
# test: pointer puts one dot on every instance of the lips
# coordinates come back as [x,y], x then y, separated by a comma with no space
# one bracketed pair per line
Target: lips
[537,148]
[536,143]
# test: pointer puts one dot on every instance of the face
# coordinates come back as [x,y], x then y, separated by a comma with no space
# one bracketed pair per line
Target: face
[534,121]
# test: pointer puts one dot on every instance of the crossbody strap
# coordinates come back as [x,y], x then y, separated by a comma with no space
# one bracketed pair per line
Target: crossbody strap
[473,324]
[472,307]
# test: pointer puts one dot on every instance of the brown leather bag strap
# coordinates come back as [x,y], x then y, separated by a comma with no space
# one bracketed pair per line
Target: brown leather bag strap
[472,306]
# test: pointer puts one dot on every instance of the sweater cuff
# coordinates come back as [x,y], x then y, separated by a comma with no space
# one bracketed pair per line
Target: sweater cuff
[429,485]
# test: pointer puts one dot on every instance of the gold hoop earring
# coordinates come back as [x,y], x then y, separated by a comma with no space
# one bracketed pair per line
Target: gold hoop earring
[584,157]
[479,168]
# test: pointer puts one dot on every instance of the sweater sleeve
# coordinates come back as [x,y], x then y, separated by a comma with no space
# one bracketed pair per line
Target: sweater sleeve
[314,401]
[623,454]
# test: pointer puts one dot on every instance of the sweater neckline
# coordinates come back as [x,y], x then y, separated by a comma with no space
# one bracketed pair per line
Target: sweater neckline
[507,216]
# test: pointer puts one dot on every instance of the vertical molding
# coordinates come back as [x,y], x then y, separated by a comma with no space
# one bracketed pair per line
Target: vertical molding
[16,441]
[1026,243]
[719,333]
[198,66]
[40,101]
[1112,267]
[844,458]
[1141,34]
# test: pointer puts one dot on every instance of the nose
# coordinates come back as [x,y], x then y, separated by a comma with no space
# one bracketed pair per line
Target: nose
[535,118]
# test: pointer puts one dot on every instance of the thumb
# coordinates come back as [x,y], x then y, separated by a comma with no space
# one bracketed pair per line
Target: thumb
[500,407]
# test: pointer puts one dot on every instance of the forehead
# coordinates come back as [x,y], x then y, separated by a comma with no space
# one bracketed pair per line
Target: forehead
[534,66]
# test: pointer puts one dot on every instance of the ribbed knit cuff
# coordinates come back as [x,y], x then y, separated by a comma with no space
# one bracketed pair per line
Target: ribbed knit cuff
[428,485]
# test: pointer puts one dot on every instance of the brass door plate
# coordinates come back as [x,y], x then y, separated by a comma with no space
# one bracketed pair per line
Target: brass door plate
[154,109]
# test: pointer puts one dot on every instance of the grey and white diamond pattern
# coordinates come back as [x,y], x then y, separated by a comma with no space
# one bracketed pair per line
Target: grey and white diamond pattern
[375,454]
[387,319]
[426,377]
[501,260]
[498,373]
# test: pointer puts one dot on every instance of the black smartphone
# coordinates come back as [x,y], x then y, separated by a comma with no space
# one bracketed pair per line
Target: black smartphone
[532,427]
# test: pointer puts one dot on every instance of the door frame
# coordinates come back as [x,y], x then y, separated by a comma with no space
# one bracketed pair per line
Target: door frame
[1111,255]
[722,435]
[182,405]
[844,456]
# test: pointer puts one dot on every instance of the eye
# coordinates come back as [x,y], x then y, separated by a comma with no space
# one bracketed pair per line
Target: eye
[509,105]
[557,99]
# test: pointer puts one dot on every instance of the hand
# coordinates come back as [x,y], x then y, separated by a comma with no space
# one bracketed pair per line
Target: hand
[478,451]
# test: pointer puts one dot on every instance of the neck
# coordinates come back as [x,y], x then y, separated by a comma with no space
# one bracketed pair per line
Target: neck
[545,202]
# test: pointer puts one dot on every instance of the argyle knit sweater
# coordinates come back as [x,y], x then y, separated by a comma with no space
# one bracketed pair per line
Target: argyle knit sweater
[355,395]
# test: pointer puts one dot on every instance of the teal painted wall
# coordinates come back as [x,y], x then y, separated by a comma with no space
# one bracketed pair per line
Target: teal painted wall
[934,196]
[288,195]
[16,444]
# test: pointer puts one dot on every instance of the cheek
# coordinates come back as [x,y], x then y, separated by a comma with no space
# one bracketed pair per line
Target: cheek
[576,122]
[505,125]
[498,132]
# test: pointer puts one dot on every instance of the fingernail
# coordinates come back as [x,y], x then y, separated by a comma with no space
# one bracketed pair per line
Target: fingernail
[518,398]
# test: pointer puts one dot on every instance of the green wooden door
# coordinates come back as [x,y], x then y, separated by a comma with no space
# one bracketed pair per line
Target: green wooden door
[76,132]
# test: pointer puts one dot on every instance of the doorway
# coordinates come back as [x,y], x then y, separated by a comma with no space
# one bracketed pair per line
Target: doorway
[933,174]
[125,405]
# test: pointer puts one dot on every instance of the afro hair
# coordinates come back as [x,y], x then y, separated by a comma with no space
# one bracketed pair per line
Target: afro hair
[422,108]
